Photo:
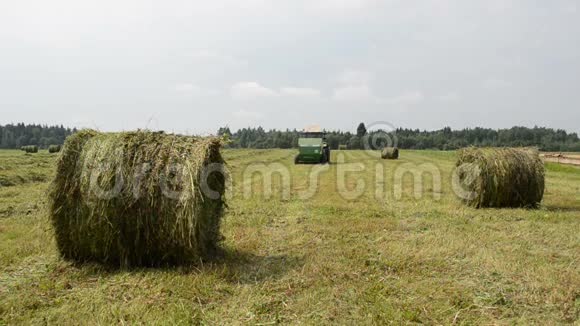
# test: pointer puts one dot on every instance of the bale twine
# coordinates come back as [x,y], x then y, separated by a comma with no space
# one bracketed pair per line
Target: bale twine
[137,198]
[501,177]
[390,153]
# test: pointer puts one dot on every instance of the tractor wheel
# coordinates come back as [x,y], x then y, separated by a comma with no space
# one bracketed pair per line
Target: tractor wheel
[297,159]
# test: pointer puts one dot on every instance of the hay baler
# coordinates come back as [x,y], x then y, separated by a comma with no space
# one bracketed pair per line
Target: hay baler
[312,148]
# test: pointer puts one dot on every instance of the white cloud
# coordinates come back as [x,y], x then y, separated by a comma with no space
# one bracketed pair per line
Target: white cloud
[449,97]
[364,93]
[571,9]
[494,83]
[354,76]
[206,56]
[407,98]
[250,90]
[367,50]
[185,87]
[354,86]
[353,93]
[338,7]
[194,90]
[248,115]
[299,92]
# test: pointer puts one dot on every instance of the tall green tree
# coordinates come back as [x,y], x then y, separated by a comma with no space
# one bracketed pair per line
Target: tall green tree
[361,130]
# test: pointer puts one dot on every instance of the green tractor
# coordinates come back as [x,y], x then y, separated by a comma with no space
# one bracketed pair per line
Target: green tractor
[312,148]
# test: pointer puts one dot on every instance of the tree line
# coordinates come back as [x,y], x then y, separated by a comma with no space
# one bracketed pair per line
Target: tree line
[17,135]
[14,136]
[547,139]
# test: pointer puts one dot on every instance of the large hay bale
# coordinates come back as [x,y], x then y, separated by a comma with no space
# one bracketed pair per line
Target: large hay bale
[390,153]
[342,147]
[501,177]
[54,148]
[118,198]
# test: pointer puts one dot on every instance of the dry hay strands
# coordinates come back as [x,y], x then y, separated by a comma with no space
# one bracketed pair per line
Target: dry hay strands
[29,149]
[137,198]
[54,148]
[501,177]
[390,153]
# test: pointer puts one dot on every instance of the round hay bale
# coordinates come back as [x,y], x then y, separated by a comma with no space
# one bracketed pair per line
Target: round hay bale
[54,148]
[30,149]
[137,198]
[501,177]
[390,153]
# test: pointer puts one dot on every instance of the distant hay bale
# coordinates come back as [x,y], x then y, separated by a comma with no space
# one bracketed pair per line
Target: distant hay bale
[137,198]
[342,147]
[54,148]
[29,149]
[501,177]
[390,153]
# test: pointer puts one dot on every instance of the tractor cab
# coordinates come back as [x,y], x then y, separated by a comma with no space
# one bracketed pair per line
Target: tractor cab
[312,148]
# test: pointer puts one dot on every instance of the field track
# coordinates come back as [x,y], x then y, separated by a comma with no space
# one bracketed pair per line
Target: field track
[562,158]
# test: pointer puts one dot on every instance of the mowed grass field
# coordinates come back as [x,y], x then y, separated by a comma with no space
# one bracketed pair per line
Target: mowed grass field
[380,257]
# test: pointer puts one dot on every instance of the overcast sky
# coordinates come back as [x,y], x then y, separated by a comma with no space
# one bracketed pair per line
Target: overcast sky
[192,66]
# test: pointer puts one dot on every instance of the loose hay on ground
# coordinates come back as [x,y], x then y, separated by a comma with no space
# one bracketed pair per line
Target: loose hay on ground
[135,198]
[501,177]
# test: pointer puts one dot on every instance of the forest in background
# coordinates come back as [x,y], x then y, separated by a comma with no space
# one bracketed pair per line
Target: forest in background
[13,136]
[17,135]
[546,139]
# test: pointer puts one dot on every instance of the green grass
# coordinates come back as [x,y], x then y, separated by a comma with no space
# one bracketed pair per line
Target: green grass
[17,167]
[324,260]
